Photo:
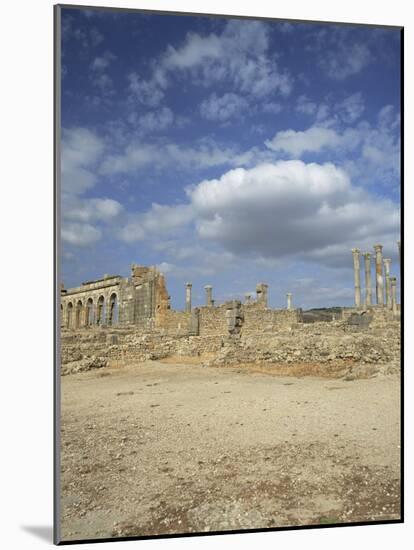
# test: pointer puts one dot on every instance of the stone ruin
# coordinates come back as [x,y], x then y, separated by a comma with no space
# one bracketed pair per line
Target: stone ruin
[385,296]
[116,320]
[142,301]
[114,300]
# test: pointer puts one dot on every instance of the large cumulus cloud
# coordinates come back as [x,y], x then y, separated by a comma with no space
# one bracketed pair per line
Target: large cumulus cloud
[291,208]
[275,210]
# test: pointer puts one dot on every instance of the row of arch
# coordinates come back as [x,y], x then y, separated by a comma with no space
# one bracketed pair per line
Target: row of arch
[87,313]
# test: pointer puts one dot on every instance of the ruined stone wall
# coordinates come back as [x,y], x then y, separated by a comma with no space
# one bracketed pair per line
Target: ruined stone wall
[257,319]
[75,302]
[376,347]
[173,323]
[377,315]
[213,321]
[82,350]
[115,300]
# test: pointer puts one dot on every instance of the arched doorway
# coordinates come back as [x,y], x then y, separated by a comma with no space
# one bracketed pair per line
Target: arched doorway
[113,310]
[69,314]
[89,312]
[78,314]
[100,311]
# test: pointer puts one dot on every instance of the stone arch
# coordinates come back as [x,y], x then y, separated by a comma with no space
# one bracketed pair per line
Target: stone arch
[69,315]
[100,311]
[113,309]
[78,314]
[89,312]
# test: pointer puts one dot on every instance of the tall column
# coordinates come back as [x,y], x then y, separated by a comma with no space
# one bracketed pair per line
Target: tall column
[247,298]
[357,276]
[289,300]
[209,297]
[188,287]
[379,286]
[368,289]
[387,266]
[261,293]
[394,294]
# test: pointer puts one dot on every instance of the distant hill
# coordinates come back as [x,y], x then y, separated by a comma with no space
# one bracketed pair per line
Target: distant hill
[321,314]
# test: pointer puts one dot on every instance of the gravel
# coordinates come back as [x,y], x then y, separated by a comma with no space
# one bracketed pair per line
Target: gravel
[156,448]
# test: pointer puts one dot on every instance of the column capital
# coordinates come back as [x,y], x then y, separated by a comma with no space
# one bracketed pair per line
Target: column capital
[188,285]
[378,247]
[207,287]
[261,285]
[355,251]
[367,255]
[387,261]
[393,281]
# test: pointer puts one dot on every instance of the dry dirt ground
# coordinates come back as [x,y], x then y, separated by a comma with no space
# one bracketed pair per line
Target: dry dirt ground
[158,448]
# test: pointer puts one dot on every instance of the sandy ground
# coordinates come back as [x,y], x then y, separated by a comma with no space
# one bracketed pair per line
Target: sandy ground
[159,448]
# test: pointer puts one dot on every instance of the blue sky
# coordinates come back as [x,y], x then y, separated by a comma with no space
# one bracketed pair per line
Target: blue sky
[228,152]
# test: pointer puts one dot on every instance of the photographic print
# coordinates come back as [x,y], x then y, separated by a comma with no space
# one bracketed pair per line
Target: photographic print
[228,200]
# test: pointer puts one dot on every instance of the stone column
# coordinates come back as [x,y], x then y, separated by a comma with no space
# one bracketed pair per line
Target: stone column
[247,298]
[379,286]
[261,293]
[289,300]
[368,289]
[394,294]
[188,287]
[209,297]
[387,266]
[357,276]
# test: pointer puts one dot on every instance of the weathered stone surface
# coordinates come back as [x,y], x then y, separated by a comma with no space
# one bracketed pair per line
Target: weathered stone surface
[114,300]
[227,334]
[361,320]
[82,365]
[358,340]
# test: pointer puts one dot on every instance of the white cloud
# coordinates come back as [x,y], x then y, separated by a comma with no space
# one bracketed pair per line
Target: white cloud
[102,62]
[351,108]
[326,113]
[291,208]
[159,220]
[379,160]
[104,83]
[81,152]
[266,213]
[272,107]
[305,106]
[80,149]
[165,267]
[224,107]
[237,56]
[79,234]
[153,121]
[99,76]
[348,60]
[87,210]
[148,92]
[134,157]
[296,143]
[205,154]
[196,50]
[340,52]
[88,38]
